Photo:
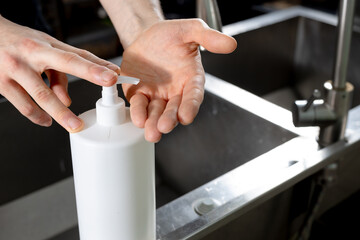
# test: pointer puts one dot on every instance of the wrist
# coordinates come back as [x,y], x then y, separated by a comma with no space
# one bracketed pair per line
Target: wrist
[132,17]
[133,29]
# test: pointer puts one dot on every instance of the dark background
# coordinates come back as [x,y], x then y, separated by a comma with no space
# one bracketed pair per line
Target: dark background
[84,24]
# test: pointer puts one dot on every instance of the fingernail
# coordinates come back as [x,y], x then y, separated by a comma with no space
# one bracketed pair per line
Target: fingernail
[108,75]
[74,123]
[114,68]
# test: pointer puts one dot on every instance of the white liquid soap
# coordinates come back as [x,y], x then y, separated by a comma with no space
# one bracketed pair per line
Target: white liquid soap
[114,173]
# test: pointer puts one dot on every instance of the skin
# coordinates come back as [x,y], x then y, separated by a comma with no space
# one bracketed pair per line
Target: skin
[172,86]
[164,54]
[25,54]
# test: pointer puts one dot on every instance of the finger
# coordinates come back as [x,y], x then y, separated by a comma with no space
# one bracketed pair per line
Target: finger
[15,94]
[155,109]
[138,109]
[196,30]
[169,119]
[72,63]
[192,98]
[59,85]
[86,55]
[47,99]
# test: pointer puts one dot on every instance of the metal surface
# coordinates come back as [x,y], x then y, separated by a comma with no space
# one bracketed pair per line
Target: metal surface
[211,145]
[41,214]
[249,185]
[331,114]
[240,192]
[292,64]
[339,92]
[317,114]
[339,102]
[345,29]
[208,11]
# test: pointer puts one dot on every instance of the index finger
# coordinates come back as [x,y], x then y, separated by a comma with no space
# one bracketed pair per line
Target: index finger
[74,64]
[46,99]
[85,54]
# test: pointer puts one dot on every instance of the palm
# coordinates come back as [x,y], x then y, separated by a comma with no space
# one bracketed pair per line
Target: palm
[167,60]
[163,63]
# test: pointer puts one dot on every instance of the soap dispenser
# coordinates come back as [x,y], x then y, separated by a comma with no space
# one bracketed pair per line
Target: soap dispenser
[114,173]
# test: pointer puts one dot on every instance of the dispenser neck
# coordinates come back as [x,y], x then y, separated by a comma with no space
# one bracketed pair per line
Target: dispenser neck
[110,109]
[110,95]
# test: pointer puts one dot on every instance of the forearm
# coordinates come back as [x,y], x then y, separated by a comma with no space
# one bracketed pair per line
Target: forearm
[132,17]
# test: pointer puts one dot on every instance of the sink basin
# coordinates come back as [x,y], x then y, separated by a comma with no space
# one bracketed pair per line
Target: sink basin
[222,138]
[285,57]
[241,152]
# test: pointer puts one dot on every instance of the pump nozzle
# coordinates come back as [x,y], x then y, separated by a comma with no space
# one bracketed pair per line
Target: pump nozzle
[110,94]
[127,79]
[110,109]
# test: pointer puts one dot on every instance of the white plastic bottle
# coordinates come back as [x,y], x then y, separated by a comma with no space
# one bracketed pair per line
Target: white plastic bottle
[114,173]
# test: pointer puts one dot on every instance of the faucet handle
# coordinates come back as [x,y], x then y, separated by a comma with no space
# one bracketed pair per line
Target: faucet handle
[312,112]
[314,96]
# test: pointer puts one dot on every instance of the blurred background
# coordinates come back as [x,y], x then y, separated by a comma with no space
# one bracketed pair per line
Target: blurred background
[85,24]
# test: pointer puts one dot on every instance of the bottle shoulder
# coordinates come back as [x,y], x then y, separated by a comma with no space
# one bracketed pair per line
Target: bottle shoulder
[125,133]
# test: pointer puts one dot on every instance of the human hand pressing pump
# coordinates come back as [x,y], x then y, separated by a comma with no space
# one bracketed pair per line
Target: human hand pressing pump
[164,54]
[25,54]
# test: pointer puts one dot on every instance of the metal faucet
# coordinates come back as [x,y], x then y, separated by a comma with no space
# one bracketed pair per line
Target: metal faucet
[208,11]
[330,113]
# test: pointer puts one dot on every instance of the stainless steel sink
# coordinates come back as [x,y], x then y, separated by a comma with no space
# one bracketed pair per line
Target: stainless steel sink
[284,56]
[242,153]
[222,138]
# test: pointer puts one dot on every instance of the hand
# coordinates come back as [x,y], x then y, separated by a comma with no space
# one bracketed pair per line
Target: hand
[25,54]
[167,60]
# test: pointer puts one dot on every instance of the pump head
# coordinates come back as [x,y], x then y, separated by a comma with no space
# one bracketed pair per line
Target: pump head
[110,109]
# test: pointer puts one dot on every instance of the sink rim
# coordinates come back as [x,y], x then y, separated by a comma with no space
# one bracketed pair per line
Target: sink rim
[259,106]
[279,16]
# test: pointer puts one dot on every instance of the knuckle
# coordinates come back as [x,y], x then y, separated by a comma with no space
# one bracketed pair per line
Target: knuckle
[5,83]
[42,94]
[29,45]
[198,22]
[11,61]
[70,57]
[27,110]
[61,114]
[46,37]
[85,53]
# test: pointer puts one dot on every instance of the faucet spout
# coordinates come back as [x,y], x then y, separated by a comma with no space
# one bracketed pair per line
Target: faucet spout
[345,27]
[331,114]
[208,11]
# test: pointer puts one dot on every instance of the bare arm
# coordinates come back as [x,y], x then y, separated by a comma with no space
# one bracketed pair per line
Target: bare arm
[132,17]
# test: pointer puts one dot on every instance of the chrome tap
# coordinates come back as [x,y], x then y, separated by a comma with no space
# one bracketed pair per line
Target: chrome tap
[330,113]
[208,11]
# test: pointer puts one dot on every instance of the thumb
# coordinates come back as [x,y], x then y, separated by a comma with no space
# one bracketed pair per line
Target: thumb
[196,30]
